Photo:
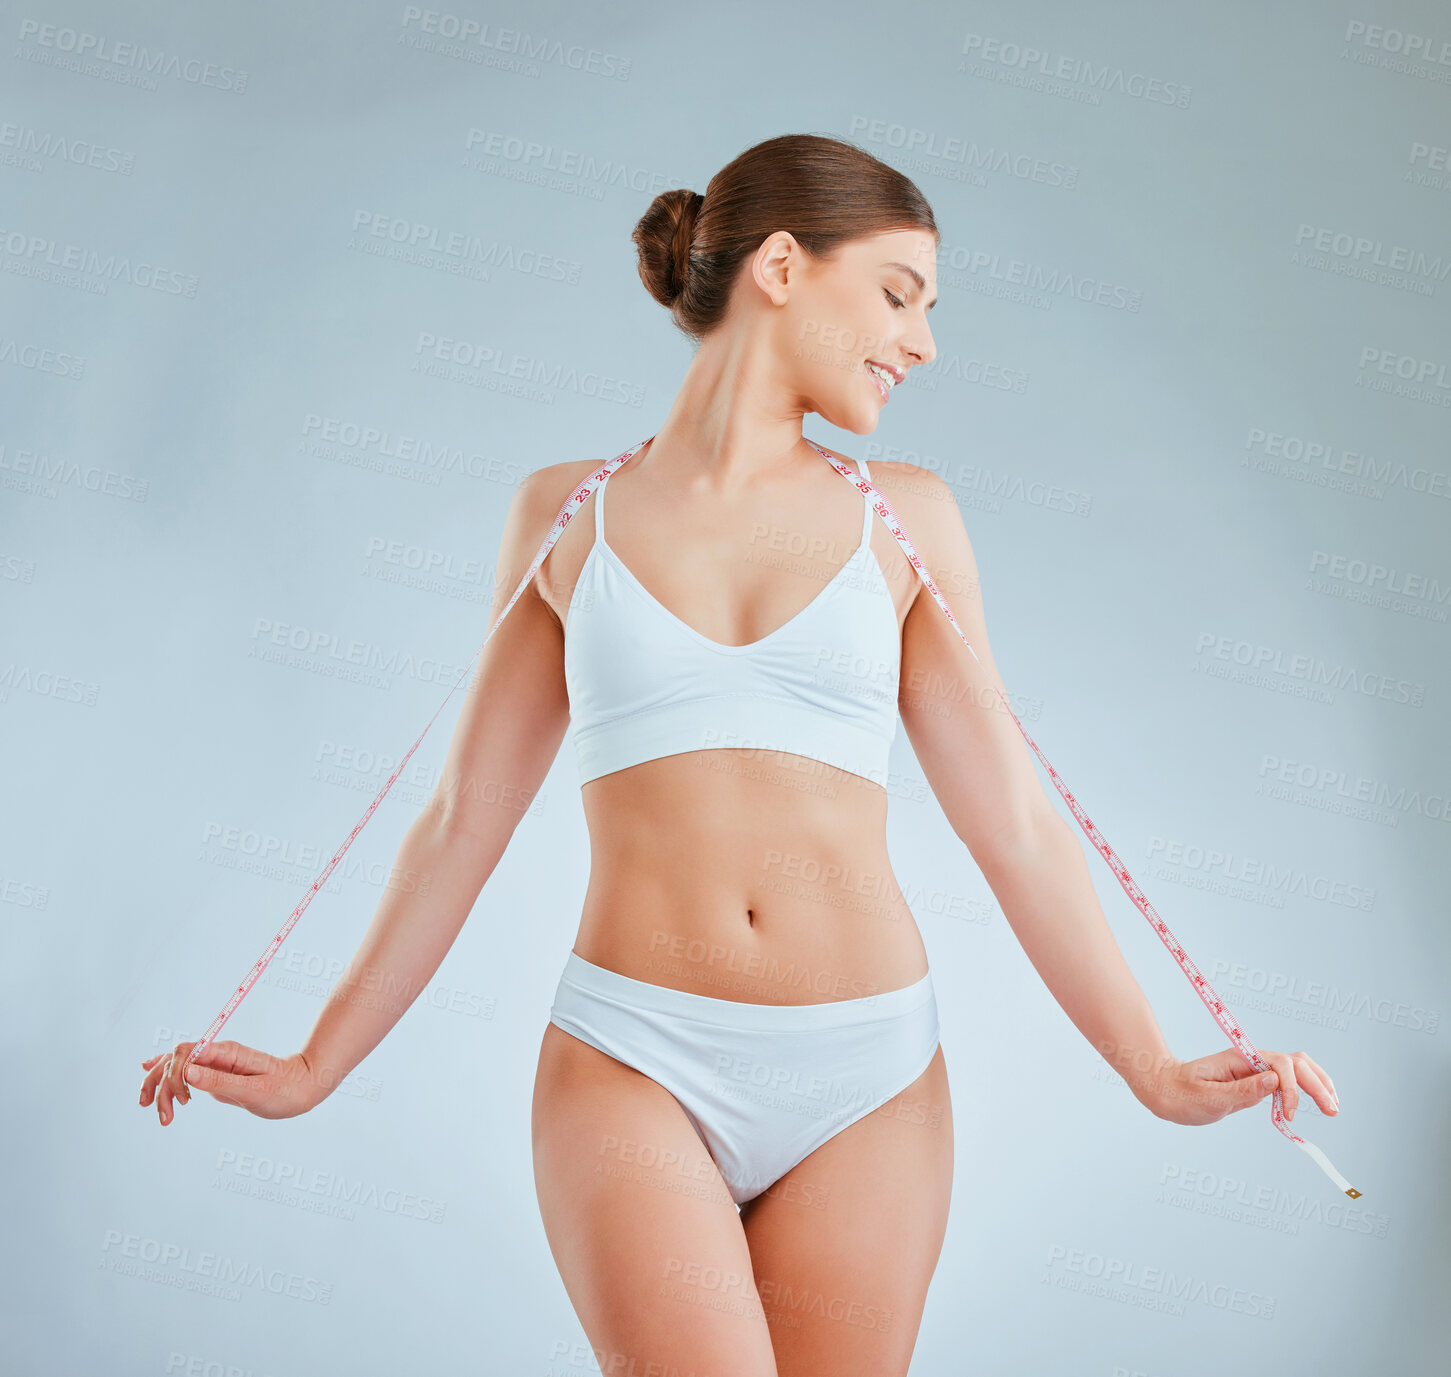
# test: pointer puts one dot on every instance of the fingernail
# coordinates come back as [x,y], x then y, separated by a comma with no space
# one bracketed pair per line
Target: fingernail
[1269,1080]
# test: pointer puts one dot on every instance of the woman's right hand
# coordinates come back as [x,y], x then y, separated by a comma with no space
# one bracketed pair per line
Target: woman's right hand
[270,1087]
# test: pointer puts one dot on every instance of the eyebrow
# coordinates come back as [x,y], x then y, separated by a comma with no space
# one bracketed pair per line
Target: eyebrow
[916,277]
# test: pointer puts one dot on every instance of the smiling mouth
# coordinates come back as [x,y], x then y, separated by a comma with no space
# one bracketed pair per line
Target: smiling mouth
[884,376]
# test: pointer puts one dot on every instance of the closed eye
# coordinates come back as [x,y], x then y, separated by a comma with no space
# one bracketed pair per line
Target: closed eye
[897,302]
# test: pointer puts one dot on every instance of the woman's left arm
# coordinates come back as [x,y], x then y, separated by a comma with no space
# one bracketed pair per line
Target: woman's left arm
[981,771]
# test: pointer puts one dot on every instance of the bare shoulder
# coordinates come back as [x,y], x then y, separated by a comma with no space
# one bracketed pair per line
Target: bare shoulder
[912,488]
[920,497]
[535,505]
[537,501]
[926,506]
[549,486]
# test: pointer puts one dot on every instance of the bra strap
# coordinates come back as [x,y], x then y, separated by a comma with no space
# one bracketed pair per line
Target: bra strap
[866,515]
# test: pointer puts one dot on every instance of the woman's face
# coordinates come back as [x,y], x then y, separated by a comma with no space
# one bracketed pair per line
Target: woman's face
[864,306]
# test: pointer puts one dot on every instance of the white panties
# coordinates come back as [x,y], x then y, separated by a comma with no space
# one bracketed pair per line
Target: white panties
[763,1085]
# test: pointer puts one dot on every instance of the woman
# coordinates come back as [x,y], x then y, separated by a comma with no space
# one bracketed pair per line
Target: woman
[742,1128]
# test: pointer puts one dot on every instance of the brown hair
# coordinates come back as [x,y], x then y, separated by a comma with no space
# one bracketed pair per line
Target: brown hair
[824,191]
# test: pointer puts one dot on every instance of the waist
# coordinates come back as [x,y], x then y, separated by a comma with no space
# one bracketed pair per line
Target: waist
[587,981]
[750,875]
[739,829]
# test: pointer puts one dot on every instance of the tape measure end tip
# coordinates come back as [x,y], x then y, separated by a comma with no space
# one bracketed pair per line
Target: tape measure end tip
[1352,1192]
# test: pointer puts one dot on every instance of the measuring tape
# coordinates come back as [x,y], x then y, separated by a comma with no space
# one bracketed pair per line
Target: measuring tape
[1212,1001]
[884,509]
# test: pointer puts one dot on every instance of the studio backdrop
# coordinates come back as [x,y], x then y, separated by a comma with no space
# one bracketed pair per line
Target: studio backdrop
[293,298]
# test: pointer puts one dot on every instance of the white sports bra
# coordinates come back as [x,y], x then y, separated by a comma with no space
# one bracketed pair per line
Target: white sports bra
[642,684]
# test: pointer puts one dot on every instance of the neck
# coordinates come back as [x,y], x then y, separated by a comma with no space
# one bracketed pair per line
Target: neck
[731,426]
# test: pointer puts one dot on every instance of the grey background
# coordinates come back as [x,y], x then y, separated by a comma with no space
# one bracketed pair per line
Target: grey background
[168,492]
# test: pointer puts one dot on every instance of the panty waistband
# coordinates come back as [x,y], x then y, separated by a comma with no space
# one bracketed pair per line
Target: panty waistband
[731,1013]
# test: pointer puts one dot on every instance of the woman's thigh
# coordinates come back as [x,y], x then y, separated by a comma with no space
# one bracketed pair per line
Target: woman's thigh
[845,1244]
[645,1234]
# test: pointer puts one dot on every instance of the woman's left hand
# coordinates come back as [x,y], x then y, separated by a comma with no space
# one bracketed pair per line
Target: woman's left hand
[1204,1091]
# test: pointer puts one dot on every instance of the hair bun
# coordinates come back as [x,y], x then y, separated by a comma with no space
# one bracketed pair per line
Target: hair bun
[824,192]
[663,238]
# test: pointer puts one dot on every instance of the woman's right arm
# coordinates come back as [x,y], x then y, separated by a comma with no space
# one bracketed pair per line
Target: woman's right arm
[514,717]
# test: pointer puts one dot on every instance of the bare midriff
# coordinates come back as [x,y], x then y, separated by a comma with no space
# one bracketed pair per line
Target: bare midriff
[748,875]
[743,874]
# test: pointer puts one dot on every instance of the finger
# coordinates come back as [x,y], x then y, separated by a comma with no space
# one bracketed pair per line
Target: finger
[175,1072]
[167,1090]
[148,1086]
[236,1058]
[1283,1065]
[1233,1067]
[1252,1089]
[1315,1083]
[245,1091]
[1325,1077]
[223,1085]
[1225,1066]
[230,1072]
[163,1094]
